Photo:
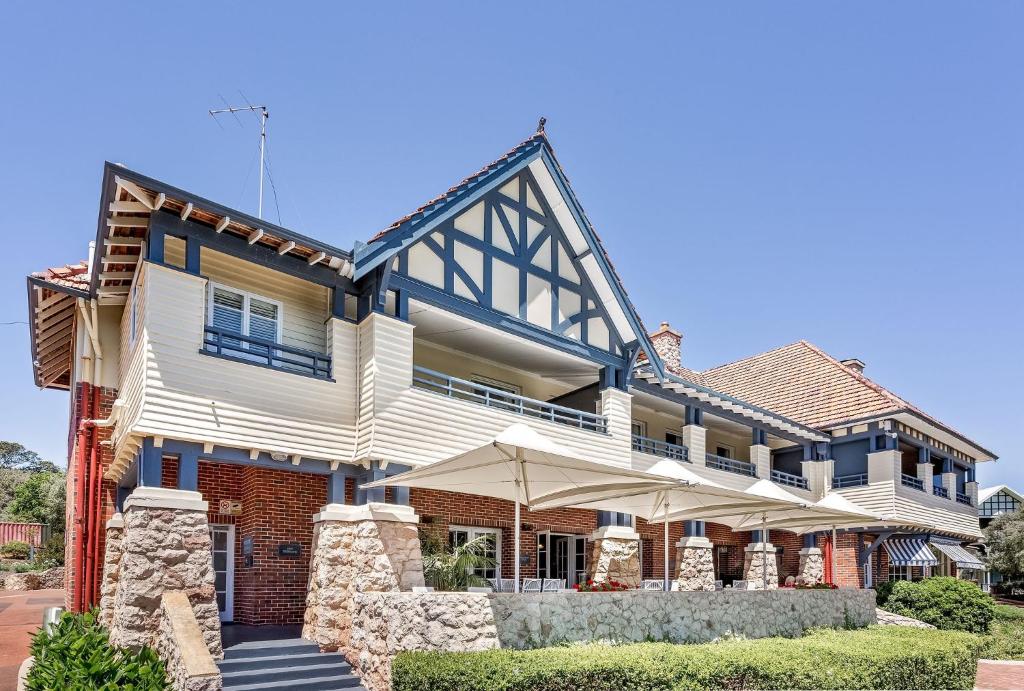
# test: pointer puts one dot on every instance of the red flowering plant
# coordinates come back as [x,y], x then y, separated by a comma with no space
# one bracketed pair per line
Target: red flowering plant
[604,587]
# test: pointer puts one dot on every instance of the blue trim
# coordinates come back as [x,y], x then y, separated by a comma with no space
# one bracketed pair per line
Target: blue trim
[810,540]
[694,415]
[188,470]
[150,464]
[193,250]
[758,437]
[121,494]
[235,456]
[693,528]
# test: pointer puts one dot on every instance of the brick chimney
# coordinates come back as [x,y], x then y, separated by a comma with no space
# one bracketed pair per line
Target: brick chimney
[668,342]
[854,364]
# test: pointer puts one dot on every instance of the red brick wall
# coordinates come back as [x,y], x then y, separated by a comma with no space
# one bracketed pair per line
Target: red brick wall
[277,507]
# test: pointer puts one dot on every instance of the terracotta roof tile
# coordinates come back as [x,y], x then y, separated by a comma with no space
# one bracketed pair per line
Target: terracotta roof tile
[69,276]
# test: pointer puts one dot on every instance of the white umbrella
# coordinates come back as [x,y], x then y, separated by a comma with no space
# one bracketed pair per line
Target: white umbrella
[692,498]
[519,465]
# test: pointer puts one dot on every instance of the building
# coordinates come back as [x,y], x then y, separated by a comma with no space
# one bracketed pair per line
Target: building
[236,385]
[888,456]
[997,500]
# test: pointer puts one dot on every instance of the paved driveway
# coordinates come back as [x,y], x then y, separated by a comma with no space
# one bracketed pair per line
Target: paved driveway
[21,614]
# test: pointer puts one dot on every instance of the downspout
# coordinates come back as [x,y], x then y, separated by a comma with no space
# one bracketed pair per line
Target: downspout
[91,535]
[79,541]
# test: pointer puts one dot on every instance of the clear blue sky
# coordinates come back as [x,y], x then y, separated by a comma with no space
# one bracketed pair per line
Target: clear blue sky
[848,173]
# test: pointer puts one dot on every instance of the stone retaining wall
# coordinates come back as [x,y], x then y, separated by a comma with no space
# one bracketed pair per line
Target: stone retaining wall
[384,624]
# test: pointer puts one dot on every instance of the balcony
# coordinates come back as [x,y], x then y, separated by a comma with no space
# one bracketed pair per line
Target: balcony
[265,353]
[854,480]
[481,394]
[940,491]
[730,465]
[789,479]
[661,448]
[965,499]
[912,482]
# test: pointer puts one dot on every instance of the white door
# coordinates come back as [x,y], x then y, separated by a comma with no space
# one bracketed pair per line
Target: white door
[223,539]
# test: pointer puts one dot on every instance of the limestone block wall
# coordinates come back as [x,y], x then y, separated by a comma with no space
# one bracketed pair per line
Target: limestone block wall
[179,643]
[384,624]
[615,556]
[112,552]
[760,567]
[812,566]
[696,567]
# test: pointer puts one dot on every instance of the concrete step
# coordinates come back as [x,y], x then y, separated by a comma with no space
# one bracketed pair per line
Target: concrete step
[252,649]
[238,664]
[326,683]
[289,674]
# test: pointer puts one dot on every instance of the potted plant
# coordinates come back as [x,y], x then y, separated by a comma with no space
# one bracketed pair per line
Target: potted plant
[451,567]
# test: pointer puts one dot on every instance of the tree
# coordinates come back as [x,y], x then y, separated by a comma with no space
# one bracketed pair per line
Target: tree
[39,499]
[14,456]
[1004,538]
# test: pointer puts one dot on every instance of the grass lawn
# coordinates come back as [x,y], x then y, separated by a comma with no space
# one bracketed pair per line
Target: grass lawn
[1005,640]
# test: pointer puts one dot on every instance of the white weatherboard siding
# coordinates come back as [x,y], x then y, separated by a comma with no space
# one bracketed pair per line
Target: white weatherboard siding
[899,503]
[402,424]
[190,396]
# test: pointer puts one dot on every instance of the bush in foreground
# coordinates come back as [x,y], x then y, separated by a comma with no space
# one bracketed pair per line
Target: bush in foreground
[15,549]
[943,602]
[880,657]
[77,654]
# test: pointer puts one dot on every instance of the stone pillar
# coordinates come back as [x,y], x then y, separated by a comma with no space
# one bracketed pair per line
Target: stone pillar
[696,566]
[812,566]
[754,572]
[615,555]
[165,546]
[112,553]
[695,440]
[761,457]
[949,482]
[368,548]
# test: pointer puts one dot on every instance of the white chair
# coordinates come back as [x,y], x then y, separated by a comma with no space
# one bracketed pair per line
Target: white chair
[674,587]
[495,585]
[551,585]
[422,589]
[506,585]
[740,585]
[654,584]
[719,586]
[532,585]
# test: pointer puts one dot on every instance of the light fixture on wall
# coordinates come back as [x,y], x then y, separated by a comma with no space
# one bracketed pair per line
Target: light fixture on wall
[278,456]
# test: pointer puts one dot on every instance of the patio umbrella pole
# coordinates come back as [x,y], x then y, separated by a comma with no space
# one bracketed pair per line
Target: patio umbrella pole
[764,550]
[833,555]
[666,545]
[515,585]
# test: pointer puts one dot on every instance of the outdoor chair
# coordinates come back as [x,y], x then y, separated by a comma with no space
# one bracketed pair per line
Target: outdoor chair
[654,584]
[552,585]
[532,585]
[719,586]
[740,585]
[506,585]
[674,587]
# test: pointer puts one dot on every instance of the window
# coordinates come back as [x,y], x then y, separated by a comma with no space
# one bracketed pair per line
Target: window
[638,428]
[899,573]
[999,503]
[236,311]
[459,535]
[724,451]
[674,438]
[482,395]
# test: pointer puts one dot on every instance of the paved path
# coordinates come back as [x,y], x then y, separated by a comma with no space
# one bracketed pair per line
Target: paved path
[1003,675]
[21,614]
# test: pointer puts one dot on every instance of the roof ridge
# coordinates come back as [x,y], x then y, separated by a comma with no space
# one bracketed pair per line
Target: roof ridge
[857,376]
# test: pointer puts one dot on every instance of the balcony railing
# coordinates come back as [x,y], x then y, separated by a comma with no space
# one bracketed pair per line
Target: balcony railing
[962,498]
[660,448]
[789,479]
[265,353]
[465,390]
[730,465]
[855,480]
[912,482]
[940,491]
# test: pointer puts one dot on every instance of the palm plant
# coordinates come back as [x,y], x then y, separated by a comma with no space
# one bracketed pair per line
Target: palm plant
[451,567]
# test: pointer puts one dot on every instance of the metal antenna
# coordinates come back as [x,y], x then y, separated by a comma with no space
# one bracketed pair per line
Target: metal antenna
[264,114]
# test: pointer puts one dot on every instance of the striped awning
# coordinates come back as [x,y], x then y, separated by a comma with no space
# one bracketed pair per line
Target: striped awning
[960,556]
[909,552]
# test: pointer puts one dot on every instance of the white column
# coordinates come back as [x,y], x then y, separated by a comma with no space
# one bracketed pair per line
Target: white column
[695,439]
[884,466]
[949,482]
[924,474]
[761,456]
[819,476]
[971,489]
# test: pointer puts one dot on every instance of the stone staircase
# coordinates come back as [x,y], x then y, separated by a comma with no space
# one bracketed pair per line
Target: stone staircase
[292,663]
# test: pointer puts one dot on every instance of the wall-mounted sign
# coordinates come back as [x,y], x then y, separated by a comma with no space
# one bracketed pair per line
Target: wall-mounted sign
[230,507]
[247,545]
[289,550]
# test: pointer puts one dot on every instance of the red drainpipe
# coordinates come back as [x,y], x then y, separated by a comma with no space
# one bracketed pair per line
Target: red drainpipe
[78,598]
[91,516]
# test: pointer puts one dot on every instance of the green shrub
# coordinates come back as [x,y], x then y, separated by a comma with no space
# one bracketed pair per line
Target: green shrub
[52,552]
[15,549]
[880,657]
[76,654]
[882,592]
[944,602]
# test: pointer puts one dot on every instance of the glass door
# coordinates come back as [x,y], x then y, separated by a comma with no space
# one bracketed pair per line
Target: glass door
[222,538]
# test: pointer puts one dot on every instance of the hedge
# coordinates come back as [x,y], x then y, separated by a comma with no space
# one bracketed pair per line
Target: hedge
[879,657]
[943,602]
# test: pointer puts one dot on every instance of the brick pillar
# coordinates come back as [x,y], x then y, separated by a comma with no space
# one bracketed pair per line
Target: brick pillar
[112,554]
[165,546]
[696,566]
[757,558]
[615,555]
[369,548]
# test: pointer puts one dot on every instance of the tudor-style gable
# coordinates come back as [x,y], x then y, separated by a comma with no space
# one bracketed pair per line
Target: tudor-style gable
[511,246]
